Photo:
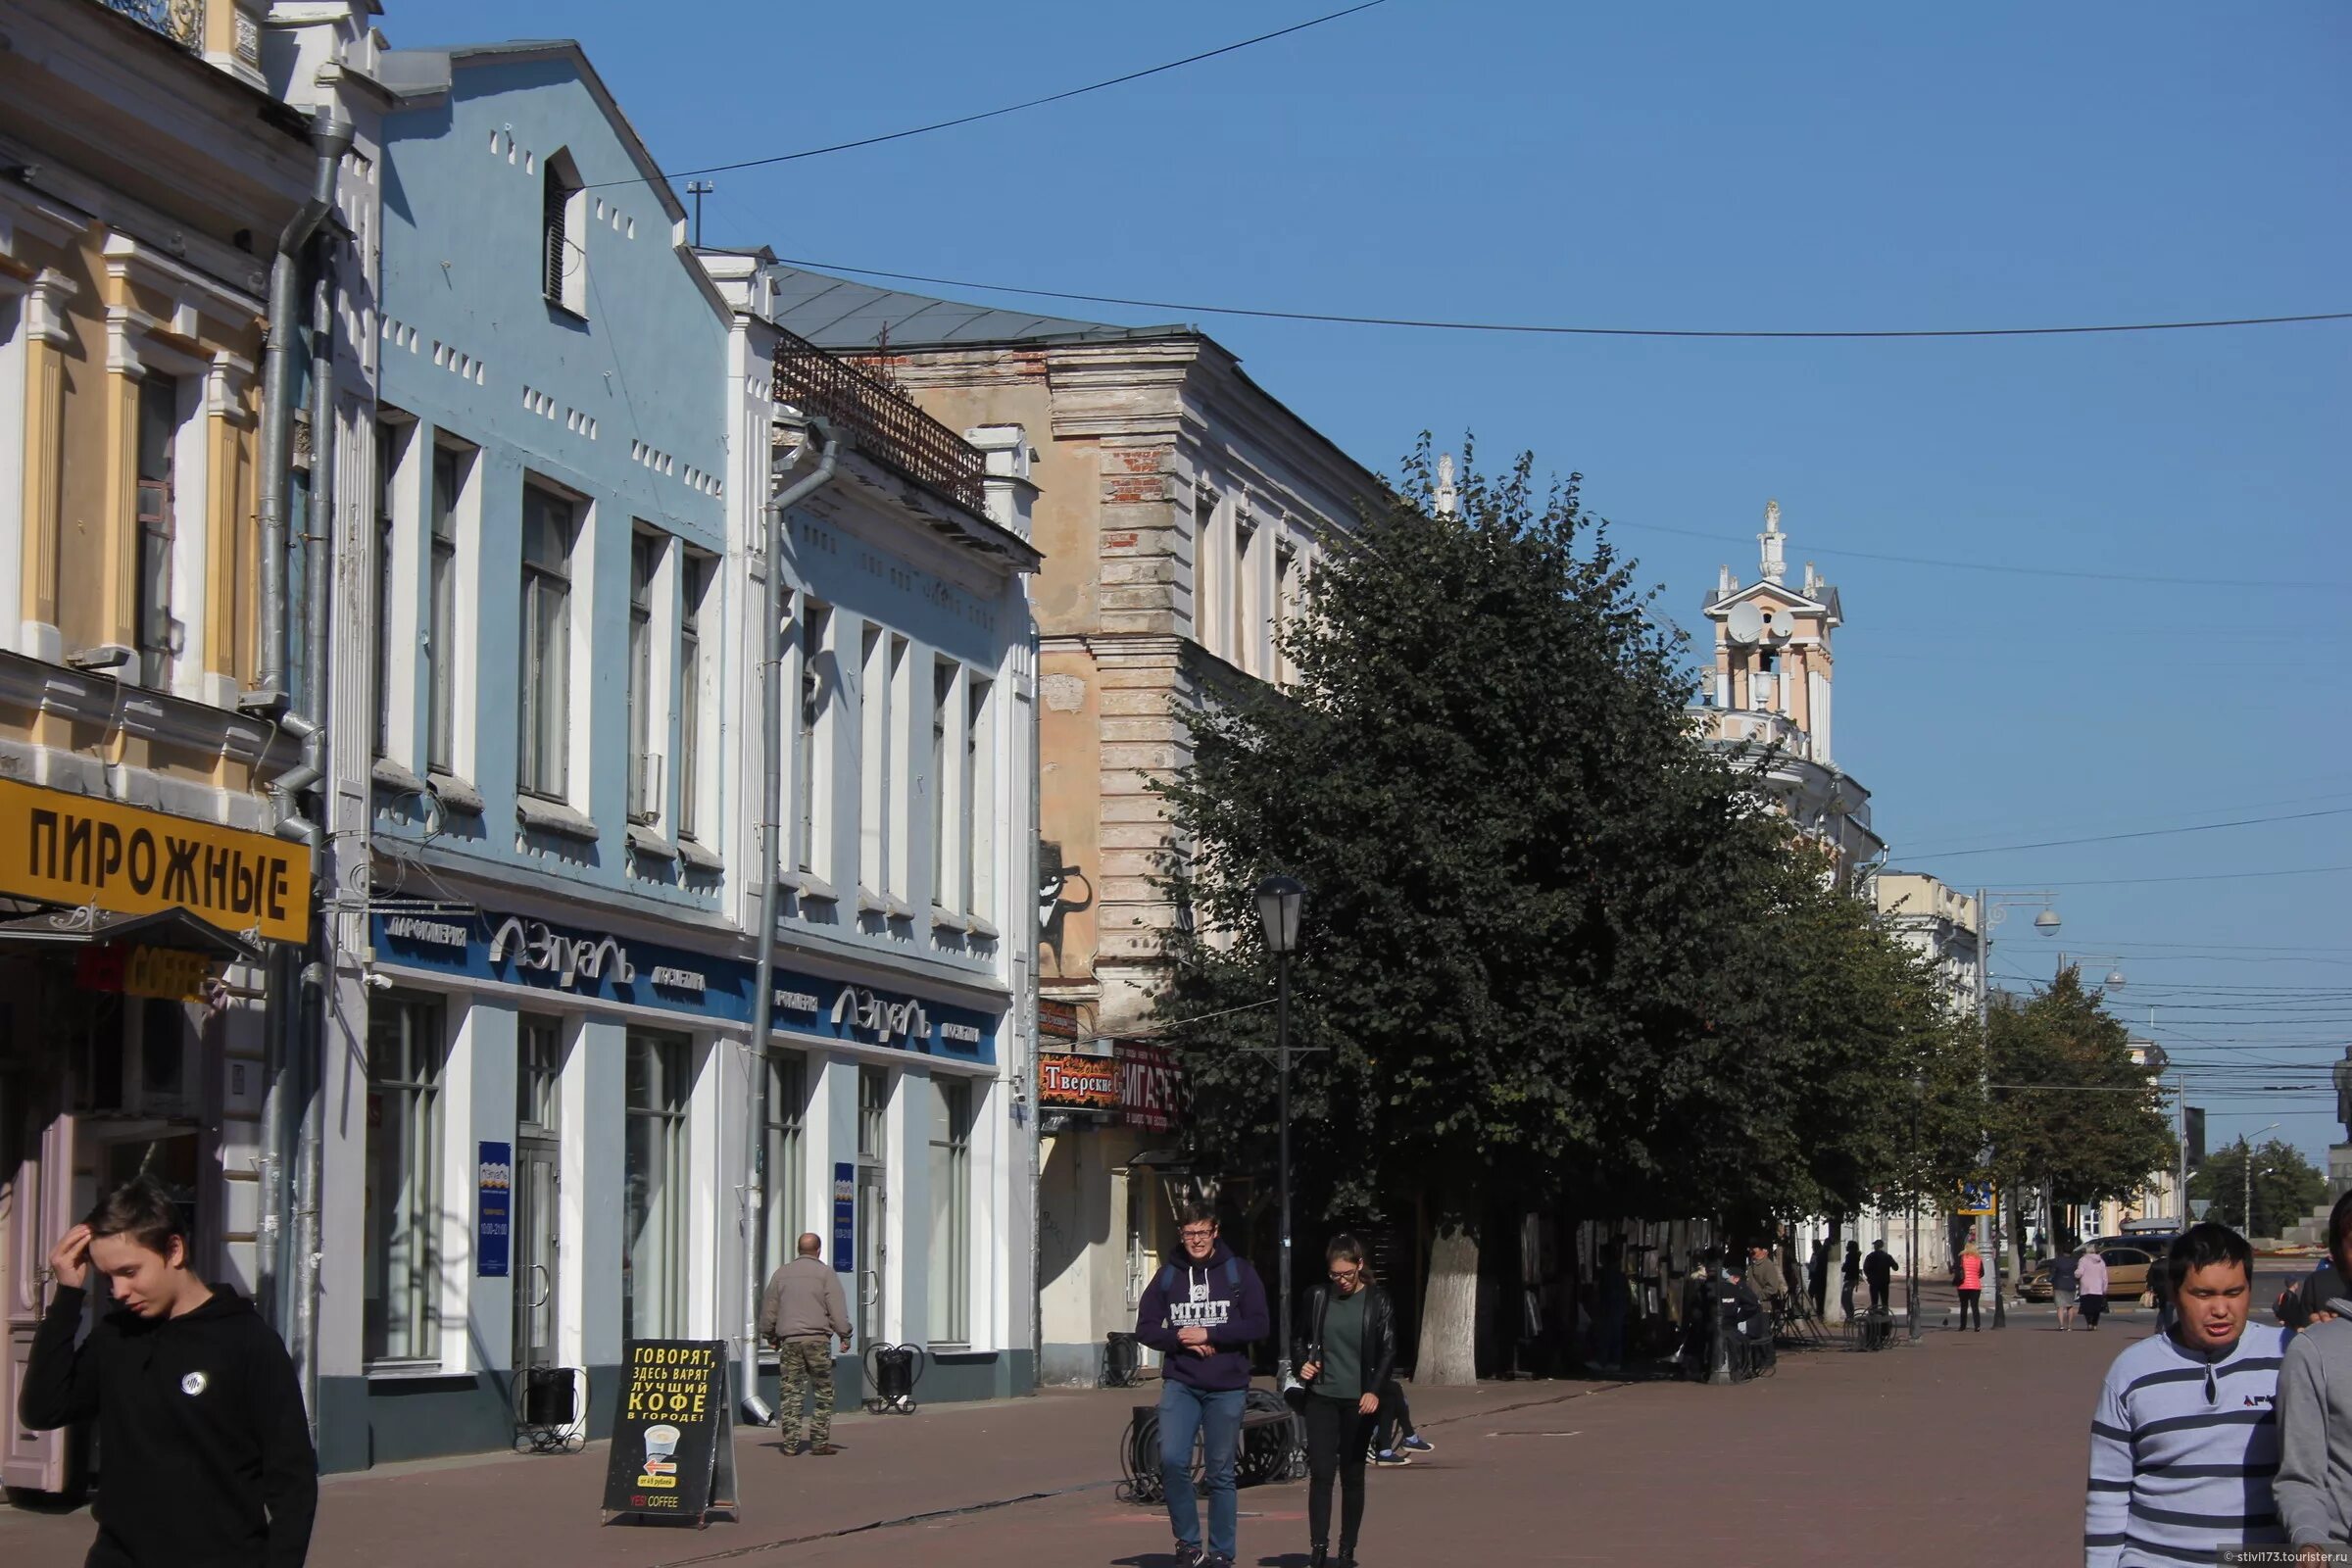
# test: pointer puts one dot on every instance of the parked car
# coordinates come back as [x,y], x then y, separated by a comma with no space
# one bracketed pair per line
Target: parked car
[2127,1257]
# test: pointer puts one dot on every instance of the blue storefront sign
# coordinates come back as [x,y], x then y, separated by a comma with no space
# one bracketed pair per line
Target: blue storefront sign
[494,1210]
[845,1219]
[594,966]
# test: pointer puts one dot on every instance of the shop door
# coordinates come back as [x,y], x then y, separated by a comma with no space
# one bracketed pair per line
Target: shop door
[537,1311]
[874,1255]
[37,1165]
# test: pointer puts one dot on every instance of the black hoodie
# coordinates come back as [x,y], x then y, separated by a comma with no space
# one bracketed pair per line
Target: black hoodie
[207,1454]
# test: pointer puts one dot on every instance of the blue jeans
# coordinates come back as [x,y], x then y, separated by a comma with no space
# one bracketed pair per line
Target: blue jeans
[1215,1417]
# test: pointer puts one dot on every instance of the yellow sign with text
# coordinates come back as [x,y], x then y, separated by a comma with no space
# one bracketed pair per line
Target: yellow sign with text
[73,848]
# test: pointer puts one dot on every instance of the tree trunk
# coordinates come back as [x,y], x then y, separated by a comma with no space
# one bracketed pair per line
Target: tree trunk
[1449,1308]
[1833,1304]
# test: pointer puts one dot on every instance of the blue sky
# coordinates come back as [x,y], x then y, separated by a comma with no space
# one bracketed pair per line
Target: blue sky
[1737,167]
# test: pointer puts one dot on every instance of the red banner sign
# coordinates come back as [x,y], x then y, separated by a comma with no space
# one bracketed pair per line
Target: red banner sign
[1150,1086]
[1067,1082]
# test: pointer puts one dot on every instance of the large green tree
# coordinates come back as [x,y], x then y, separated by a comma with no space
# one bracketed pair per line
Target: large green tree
[2071,1116]
[1552,942]
[2286,1187]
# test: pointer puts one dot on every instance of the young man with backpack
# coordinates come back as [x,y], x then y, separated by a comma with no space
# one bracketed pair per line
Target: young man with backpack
[1203,1311]
[200,1418]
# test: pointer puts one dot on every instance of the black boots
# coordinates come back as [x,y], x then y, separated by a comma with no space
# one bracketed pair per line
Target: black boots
[1318,1557]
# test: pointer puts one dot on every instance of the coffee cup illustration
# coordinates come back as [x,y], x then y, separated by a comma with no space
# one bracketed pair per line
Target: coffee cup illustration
[660,1456]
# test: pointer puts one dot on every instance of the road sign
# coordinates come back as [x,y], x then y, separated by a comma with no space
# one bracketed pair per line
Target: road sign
[1975,1197]
[2199,1207]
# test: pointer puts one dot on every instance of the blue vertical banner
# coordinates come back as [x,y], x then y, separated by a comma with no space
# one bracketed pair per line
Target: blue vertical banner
[494,1211]
[845,1219]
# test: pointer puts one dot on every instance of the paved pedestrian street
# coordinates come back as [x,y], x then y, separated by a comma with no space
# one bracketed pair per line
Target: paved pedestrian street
[1960,1450]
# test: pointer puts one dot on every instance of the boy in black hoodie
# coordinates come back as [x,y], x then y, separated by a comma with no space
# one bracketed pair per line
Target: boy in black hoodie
[1201,1312]
[199,1413]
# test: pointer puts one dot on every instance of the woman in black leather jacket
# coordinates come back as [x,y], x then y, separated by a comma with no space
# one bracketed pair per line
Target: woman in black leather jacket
[1351,1350]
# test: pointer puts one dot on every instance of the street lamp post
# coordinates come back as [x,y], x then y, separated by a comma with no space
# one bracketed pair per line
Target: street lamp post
[2245,1149]
[1278,903]
[1919,1087]
[1988,916]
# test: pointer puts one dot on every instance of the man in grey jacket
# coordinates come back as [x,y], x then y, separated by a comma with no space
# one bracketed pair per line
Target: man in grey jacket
[2314,1486]
[802,1312]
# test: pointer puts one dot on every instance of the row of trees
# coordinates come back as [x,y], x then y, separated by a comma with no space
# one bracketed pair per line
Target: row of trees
[1556,950]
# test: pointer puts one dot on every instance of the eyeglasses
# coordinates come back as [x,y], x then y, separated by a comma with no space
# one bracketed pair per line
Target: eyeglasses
[1206,1234]
[1340,1276]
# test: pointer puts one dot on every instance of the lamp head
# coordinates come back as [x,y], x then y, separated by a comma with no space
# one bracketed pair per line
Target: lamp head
[1279,899]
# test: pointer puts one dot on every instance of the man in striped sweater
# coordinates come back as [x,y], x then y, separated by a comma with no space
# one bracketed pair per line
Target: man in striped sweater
[2185,1441]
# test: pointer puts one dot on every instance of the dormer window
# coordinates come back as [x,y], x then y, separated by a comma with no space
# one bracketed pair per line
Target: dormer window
[563,235]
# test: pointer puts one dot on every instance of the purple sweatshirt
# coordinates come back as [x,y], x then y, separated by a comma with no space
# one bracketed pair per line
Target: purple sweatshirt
[1222,1296]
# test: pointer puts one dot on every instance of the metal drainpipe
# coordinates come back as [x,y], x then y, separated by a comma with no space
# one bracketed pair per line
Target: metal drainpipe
[318,575]
[771,811]
[330,139]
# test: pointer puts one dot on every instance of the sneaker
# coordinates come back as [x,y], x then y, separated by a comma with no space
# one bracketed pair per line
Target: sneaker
[1419,1445]
[1390,1458]
[823,1451]
[1190,1556]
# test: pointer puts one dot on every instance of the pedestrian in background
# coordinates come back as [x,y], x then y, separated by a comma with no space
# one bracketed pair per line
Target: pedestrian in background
[1764,1278]
[1849,1275]
[1816,1276]
[1349,1355]
[1972,1288]
[1201,1312]
[2315,1410]
[2090,1283]
[2065,1281]
[1395,1438]
[199,1413]
[802,1312]
[1879,1269]
[2185,1440]
[1612,1299]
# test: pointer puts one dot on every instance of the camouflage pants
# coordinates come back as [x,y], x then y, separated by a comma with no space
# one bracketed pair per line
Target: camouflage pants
[805,1369]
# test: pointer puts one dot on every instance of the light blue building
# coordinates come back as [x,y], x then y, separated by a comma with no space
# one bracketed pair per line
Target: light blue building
[541,1071]
[550,527]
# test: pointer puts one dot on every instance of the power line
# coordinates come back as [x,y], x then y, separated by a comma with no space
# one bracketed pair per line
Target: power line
[2211,876]
[1010,109]
[2146,833]
[2076,575]
[1559,331]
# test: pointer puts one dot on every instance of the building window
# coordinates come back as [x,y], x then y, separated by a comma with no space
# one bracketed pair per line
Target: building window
[653,1253]
[898,780]
[812,822]
[563,235]
[697,584]
[951,1212]
[1242,631]
[875,648]
[388,439]
[873,1113]
[157,633]
[1286,613]
[450,467]
[787,1118]
[979,799]
[943,865]
[645,767]
[538,1075]
[401,1314]
[549,534]
[1208,570]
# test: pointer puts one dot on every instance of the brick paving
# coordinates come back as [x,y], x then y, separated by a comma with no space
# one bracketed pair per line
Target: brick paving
[1955,1450]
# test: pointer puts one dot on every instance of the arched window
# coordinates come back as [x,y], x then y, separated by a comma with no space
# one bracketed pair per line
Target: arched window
[564,234]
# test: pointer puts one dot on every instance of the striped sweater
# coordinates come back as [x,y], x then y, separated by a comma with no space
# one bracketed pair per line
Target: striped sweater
[2183,1451]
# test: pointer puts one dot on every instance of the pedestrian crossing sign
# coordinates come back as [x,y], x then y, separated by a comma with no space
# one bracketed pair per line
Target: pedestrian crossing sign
[1975,1197]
